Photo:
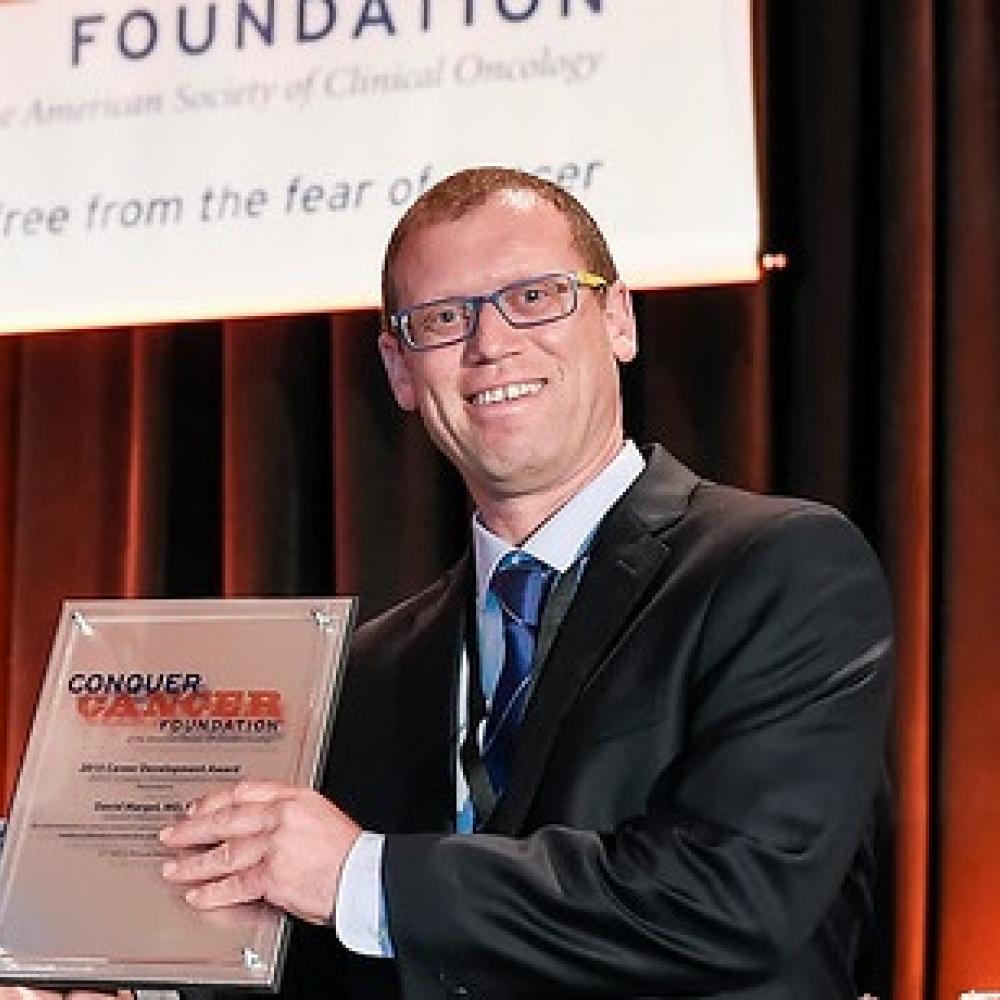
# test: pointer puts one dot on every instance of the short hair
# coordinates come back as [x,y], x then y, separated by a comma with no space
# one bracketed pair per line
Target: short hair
[460,193]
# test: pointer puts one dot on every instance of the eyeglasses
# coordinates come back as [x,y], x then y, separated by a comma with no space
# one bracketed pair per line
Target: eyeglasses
[525,303]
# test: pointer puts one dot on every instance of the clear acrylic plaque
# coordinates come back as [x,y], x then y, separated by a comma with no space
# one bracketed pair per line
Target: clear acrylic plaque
[145,706]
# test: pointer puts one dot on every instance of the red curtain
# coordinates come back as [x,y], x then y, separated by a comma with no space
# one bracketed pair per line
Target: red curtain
[267,457]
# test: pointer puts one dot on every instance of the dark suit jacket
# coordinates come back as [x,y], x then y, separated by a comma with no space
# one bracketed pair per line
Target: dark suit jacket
[691,801]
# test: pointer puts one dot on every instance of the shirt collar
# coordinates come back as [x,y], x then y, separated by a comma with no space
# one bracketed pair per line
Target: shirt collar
[560,540]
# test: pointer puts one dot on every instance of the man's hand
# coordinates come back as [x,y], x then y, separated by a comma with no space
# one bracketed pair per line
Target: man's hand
[26,993]
[262,841]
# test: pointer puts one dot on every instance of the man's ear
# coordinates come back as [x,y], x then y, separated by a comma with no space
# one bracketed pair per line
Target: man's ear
[619,321]
[397,367]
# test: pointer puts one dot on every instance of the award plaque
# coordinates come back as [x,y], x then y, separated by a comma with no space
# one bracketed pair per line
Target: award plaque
[147,705]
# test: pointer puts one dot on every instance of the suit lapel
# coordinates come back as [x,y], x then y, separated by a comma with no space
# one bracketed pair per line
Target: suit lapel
[428,700]
[626,556]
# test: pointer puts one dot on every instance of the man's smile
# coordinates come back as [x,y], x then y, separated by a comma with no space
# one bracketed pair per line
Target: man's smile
[505,393]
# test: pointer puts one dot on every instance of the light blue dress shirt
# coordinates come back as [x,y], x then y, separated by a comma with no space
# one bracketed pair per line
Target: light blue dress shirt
[561,542]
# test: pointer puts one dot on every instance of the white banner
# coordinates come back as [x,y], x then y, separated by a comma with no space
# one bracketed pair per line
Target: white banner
[175,161]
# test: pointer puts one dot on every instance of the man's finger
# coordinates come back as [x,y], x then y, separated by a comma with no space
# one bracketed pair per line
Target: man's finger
[239,820]
[88,995]
[242,792]
[29,993]
[226,858]
[242,887]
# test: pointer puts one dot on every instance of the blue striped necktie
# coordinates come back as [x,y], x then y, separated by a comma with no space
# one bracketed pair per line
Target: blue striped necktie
[521,584]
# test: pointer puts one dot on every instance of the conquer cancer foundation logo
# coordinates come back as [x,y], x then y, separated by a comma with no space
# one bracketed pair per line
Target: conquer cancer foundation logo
[174,703]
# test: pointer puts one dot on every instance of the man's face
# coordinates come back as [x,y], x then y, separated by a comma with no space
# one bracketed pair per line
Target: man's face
[565,423]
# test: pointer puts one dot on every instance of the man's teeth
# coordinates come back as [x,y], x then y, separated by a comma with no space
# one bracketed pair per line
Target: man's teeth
[503,393]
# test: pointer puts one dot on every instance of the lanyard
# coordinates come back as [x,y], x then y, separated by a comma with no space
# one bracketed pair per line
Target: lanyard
[481,791]
[484,798]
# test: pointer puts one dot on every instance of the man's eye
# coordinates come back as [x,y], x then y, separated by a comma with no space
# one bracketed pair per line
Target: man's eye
[438,317]
[534,294]
[446,317]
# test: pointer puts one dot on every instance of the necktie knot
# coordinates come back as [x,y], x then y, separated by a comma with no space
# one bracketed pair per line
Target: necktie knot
[521,584]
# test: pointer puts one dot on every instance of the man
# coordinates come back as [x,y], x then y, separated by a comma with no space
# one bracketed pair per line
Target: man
[675,797]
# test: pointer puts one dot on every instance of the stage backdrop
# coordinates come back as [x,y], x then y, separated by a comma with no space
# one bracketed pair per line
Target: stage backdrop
[174,161]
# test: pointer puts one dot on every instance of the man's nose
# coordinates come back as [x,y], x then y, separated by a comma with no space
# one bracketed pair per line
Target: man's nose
[494,336]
